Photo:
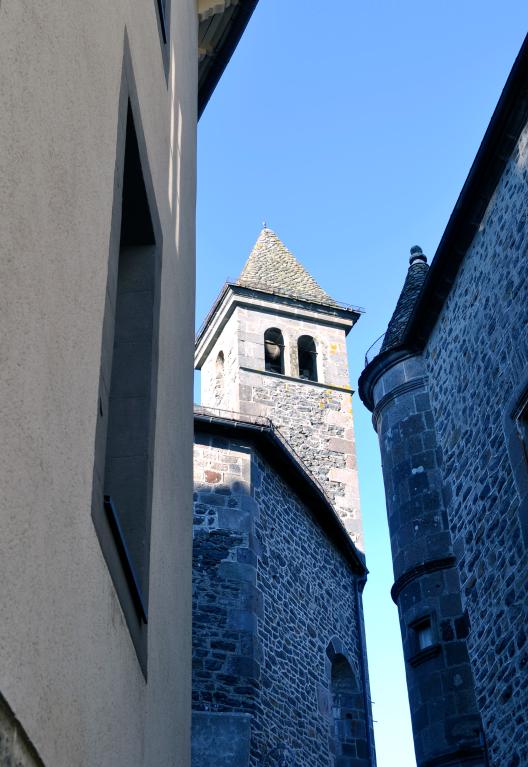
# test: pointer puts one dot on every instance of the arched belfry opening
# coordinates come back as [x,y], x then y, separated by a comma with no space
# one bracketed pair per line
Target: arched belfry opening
[307,356]
[273,351]
[348,726]
[219,378]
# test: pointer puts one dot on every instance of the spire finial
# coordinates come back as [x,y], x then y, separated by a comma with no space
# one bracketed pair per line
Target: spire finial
[264,225]
[417,254]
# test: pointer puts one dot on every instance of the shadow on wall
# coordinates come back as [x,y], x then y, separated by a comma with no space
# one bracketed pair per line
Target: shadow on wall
[229,619]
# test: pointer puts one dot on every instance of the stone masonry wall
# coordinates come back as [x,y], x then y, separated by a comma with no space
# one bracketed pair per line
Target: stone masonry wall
[444,712]
[309,598]
[222,392]
[317,422]
[314,417]
[270,594]
[476,358]
[330,340]
[225,599]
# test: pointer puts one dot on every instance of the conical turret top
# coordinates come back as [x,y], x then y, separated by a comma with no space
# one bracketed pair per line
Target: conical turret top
[411,290]
[272,268]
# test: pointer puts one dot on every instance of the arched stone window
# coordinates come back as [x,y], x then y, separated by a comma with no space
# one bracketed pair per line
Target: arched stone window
[219,378]
[348,727]
[307,356]
[274,351]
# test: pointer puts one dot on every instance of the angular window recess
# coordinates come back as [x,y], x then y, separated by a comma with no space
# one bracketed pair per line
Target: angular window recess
[123,470]
[307,355]
[274,351]
[125,557]
[162,11]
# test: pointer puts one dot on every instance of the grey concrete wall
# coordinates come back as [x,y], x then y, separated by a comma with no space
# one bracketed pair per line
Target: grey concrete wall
[16,749]
[270,595]
[68,667]
[477,358]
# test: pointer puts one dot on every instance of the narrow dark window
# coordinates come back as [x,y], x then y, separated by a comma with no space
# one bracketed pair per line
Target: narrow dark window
[274,351]
[307,356]
[522,427]
[423,634]
[423,641]
[123,470]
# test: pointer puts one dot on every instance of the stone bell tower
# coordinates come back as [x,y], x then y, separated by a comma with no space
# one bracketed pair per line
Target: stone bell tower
[274,345]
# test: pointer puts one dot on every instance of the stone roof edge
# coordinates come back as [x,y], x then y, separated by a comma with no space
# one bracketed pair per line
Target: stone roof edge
[329,309]
[210,314]
[379,365]
[292,468]
[503,132]
[234,31]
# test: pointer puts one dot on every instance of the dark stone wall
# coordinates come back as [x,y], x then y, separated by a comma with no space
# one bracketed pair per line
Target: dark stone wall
[309,600]
[273,603]
[477,362]
[444,713]
[226,601]
[220,739]
[318,424]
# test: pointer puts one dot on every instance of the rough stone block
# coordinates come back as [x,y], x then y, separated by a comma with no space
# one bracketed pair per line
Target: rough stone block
[238,572]
[220,739]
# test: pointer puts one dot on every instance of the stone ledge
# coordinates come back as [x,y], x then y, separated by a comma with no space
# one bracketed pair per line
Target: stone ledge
[422,569]
[303,381]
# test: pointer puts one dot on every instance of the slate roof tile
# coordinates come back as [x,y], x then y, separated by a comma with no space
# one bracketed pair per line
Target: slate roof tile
[272,268]
[412,288]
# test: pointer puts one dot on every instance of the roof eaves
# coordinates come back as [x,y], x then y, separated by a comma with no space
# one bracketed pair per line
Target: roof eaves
[303,299]
[331,309]
[215,64]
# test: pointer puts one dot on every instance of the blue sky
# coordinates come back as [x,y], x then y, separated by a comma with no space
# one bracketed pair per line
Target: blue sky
[350,128]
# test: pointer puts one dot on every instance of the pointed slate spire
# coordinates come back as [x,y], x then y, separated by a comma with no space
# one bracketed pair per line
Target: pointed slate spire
[272,268]
[411,290]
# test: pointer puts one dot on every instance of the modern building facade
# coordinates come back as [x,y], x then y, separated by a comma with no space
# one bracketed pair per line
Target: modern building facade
[99,104]
[279,661]
[448,392]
